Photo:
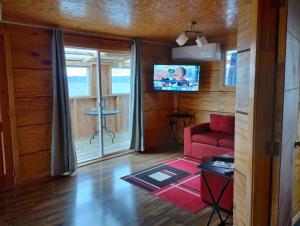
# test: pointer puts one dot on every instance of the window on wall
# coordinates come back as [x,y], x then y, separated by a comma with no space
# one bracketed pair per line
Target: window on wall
[78,81]
[230,62]
[120,80]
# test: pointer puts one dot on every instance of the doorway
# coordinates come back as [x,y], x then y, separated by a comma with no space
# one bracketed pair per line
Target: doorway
[115,93]
[99,94]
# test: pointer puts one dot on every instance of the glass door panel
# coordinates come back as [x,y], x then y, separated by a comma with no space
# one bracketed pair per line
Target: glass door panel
[84,97]
[115,92]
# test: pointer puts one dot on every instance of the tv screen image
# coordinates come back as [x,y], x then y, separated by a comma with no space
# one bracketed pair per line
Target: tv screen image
[181,78]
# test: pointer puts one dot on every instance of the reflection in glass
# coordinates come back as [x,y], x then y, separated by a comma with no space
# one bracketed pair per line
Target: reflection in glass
[230,68]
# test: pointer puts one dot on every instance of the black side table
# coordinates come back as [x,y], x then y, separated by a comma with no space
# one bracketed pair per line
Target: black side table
[183,117]
[209,167]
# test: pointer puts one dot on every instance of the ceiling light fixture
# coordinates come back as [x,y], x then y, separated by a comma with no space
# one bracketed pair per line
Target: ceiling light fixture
[201,41]
[200,38]
[182,39]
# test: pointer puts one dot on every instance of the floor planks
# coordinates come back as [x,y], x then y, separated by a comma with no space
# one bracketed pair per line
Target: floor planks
[97,196]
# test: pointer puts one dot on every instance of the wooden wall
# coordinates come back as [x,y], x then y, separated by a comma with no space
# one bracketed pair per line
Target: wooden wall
[286,168]
[157,105]
[254,129]
[31,71]
[243,133]
[213,97]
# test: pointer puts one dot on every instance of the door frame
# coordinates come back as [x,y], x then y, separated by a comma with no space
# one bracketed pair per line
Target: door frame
[283,165]
[11,125]
[99,43]
[100,101]
[257,43]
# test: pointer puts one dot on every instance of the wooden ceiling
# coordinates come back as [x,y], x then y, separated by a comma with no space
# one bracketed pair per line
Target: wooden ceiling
[161,20]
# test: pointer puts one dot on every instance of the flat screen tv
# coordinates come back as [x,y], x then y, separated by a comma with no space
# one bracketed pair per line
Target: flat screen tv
[177,78]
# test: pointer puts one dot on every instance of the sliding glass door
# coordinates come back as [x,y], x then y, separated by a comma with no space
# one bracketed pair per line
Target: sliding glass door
[84,99]
[99,96]
[115,92]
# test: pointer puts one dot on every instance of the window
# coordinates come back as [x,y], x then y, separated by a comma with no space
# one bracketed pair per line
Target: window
[230,68]
[78,81]
[120,80]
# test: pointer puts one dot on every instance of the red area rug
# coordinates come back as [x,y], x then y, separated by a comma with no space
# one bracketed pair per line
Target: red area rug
[176,181]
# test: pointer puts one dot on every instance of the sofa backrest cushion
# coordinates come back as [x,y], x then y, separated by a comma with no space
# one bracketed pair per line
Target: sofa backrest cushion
[222,123]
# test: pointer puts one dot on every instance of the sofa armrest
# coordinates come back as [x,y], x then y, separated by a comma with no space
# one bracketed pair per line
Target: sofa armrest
[189,132]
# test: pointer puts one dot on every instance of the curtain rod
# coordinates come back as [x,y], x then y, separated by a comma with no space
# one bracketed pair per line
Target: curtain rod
[84,33]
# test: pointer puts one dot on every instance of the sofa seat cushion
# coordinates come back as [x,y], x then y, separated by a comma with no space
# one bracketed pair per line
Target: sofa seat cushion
[227,142]
[211,138]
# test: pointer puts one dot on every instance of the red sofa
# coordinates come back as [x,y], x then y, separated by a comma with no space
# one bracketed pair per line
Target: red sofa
[208,139]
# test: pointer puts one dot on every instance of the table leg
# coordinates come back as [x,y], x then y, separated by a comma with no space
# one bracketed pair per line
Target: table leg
[183,121]
[172,124]
[113,136]
[93,136]
[216,202]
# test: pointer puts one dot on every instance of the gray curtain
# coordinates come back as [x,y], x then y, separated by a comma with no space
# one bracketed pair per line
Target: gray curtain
[137,100]
[63,155]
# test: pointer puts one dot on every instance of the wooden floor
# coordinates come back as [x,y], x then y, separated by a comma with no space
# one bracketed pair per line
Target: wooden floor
[87,151]
[97,196]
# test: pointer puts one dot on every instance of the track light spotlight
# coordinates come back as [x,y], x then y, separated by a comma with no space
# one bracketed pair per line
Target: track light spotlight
[182,39]
[201,41]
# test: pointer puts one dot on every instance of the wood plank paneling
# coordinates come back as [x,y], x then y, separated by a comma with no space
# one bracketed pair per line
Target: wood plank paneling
[123,105]
[208,101]
[156,119]
[32,111]
[285,205]
[157,137]
[243,120]
[243,143]
[156,104]
[32,83]
[279,112]
[7,156]
[209,80]
[242,82]
[35,165]
[244,25]
[83,125]
[31,47]
[154,54]
[213,97]
[240,216]
[257,36]
[157,101]
[34,138]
